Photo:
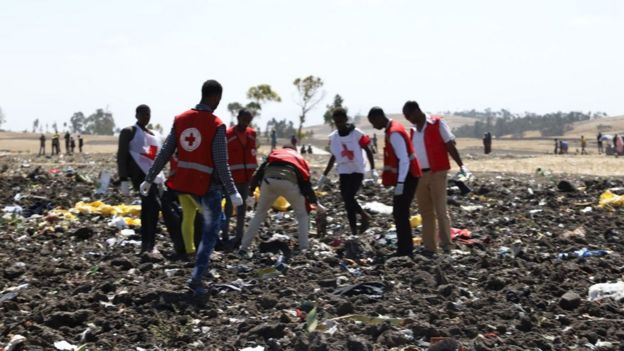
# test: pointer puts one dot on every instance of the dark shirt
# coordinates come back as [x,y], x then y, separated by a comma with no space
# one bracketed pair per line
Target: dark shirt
[126,166]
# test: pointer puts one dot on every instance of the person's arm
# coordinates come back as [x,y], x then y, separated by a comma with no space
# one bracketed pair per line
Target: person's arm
[220,159]
[400,150]
[257,177]
[330,165]
[163,157]
[449,139]
[369,155]
[123,153]
[365,143]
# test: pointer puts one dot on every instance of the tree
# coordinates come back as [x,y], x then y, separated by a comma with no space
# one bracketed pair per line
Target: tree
[100,122]
[35,125]
[327,117]
[2,119]
[283,128]
[77,122]
[310,94]
[259,95]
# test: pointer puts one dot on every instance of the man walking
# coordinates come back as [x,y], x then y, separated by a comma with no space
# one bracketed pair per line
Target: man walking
[67,142]
[80,143]
[433,142]
[347,145]
[56,144]
[199,138]
[136,152]
[241,144]
[401,170]
[285,173]
[42,140]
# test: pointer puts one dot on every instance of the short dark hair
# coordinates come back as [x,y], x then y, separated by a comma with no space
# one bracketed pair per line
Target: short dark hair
[376,111]
[211,88]
[243,112]
[141,109]
[410,107]
[339,112]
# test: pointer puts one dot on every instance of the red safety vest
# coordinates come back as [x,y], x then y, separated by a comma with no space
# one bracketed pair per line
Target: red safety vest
[241,155]
[194,132]
[294,158]
[437,152]
[390,173]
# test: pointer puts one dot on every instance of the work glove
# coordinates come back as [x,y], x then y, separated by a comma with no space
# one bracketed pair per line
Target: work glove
[124,188]
[463,170]
[398,189]
[145,188]
[251,201]
[374,175]
[236,199]
[321,181]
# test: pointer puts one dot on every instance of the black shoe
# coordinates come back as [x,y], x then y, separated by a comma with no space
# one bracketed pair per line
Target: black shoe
[427,253]
[197,287]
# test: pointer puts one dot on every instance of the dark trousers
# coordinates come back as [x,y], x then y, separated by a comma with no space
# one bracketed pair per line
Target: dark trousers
[401,212]
[243,189]
[349,186]
[151,205]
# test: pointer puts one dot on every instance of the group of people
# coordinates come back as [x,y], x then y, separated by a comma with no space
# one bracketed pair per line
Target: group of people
[55,144]
[610,144]
[209,162]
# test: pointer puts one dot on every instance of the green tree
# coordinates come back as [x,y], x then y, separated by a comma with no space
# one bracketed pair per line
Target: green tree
[310,94]
[259,95]
[101,122]
[327,117]
[35,125]
[77,122]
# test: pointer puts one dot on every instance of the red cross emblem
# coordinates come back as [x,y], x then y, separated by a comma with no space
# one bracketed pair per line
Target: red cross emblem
[347,153]
[190,139]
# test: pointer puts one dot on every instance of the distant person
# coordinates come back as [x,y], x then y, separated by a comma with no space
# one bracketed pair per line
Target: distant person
[401,170]
[599,141]
[303,150]
[137,149]
[563,147]
[583,145]
[433,143]
[619,145]
[310,149]
[56,144]
[80,143]
[294,141]
[273,139]
[348,145]
[72,144]
[199,137]
[67,138]
[241,142]
[556,146]
[285,173]
[487,143]
[42,140]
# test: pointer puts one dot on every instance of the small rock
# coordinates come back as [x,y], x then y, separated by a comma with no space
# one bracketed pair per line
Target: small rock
[357,344]
[566,187]
[570,300]
[344,307]
[267,301]
[83,233]
[495,283]
[122,262]
[328,283]
[267,331]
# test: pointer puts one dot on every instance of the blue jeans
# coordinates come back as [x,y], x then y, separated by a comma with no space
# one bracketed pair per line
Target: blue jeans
[211,212]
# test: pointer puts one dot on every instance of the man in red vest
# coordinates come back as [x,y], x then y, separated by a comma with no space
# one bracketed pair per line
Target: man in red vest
[433,142]
[241,141]
[401,170]
[285,173]
[202,170]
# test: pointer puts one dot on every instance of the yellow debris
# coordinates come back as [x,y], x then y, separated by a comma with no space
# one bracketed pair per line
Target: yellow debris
[415,221]
[610,200]
[135,222]
[280,204]
[98,207]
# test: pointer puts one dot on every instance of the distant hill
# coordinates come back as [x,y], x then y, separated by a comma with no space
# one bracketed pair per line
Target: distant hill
[607,125]
[322,130]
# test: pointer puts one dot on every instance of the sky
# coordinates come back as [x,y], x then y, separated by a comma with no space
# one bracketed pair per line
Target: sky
[60,57]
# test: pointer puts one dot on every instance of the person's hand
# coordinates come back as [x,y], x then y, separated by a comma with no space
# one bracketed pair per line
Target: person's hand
[161,188]
[374,175]
[145,188]
[398,189]
[321,209]
[321,181]
[236,199]
[251,201]
[124,188]
[464,170]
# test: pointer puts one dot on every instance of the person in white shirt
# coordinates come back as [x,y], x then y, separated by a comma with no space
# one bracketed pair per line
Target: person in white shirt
[348,145]
[433,143]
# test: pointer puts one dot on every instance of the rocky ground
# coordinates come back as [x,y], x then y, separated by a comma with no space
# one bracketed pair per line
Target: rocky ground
[503,289]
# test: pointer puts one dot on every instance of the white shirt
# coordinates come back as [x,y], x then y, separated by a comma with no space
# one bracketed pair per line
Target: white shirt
[400,150]
[348,151]
[418,140]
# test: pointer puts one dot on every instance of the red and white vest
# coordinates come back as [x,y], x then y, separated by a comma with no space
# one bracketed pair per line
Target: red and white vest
[294,158]
[143,148]
[435,147]
[194,131]
[390,174]
[241,154]
[349,151]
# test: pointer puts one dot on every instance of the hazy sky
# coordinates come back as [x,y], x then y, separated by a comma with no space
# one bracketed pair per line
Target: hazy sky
[59,57]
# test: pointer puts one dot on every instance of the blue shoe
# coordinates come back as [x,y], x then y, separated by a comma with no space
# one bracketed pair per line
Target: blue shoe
[197,287]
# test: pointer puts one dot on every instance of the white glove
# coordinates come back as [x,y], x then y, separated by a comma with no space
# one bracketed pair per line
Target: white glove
[464,170]
[374,175]
[124,188]
[236,199]
[251,201]
[321,181]
[145,188]
[398,189]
